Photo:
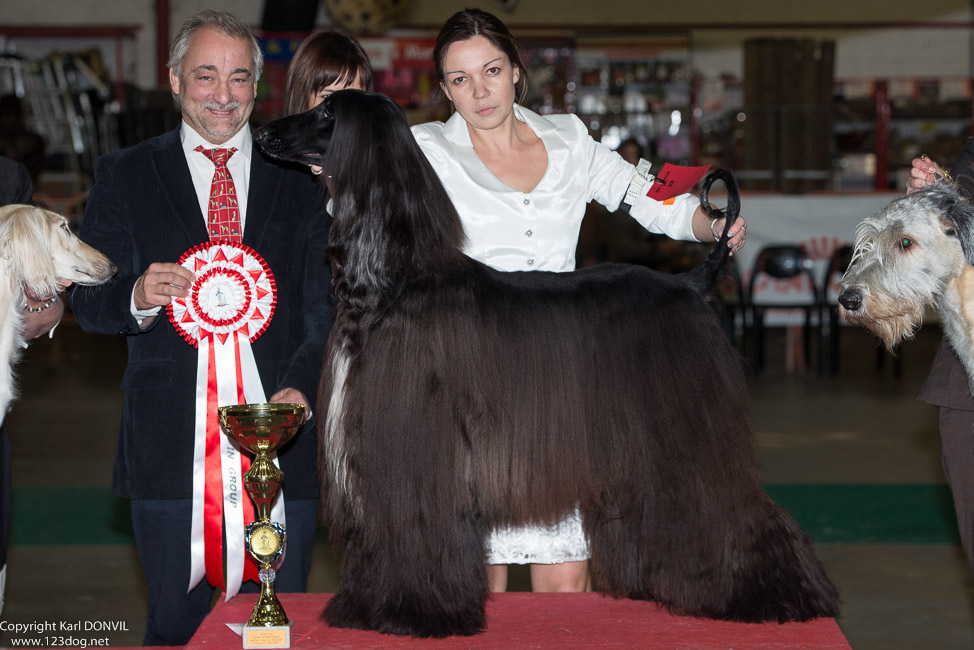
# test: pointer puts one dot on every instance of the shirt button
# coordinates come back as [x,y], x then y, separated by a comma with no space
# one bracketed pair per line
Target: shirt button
[530,261]
[528,233]
[527,201]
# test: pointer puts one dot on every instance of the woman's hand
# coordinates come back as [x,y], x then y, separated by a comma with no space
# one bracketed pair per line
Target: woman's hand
[705,228]
[923,174]
[738,232]
[738,235]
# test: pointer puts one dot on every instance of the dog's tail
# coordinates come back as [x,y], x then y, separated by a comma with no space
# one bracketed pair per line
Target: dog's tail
[704,277]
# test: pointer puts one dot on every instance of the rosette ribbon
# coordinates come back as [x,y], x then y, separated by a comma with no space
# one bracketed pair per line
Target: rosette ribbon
[229,306]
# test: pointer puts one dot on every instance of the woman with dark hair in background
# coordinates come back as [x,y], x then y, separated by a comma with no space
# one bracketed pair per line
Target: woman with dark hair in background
[326,61]
[520,183]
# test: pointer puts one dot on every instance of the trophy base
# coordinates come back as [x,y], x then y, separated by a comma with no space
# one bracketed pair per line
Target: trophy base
[278,636]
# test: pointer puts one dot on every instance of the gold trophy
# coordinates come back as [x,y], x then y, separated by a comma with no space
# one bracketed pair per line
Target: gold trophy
[260,429]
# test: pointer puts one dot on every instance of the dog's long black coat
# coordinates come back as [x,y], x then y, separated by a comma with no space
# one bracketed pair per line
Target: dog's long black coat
[460,398]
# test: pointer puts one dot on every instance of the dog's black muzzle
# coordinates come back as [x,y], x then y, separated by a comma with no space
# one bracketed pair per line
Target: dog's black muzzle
[301,138]
[851,299]
[268,140]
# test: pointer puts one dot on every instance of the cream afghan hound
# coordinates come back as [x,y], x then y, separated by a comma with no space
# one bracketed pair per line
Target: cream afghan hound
[36,248]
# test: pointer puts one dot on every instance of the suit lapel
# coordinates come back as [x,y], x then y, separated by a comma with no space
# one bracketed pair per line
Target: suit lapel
[265,181]
[177,184]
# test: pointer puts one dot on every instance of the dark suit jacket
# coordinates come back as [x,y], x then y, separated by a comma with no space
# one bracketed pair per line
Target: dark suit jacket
[143,209]
[15,185]
[947,384]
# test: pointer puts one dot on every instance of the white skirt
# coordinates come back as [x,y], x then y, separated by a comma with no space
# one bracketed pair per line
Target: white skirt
[563,542]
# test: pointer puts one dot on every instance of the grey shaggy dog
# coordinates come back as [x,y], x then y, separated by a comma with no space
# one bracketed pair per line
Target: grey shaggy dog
[459,398]
[914,255]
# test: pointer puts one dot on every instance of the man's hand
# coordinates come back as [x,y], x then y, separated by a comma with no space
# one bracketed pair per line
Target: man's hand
[160,283]
[290,396]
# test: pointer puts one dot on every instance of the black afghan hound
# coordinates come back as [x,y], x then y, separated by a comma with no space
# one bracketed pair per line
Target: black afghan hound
[460,398]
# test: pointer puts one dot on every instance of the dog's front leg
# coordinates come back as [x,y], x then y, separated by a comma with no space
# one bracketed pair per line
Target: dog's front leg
[423,583]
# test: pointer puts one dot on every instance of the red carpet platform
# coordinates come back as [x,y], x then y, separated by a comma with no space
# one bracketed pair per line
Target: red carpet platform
[527,620]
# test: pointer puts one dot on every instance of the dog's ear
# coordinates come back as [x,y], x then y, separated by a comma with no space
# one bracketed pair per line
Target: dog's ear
[959,217]
[6,215]
[25,234]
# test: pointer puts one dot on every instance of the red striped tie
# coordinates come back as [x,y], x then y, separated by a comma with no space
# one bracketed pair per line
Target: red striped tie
[223,213]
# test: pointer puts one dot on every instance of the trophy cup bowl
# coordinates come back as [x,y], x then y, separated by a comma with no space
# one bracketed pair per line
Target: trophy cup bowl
[261,429]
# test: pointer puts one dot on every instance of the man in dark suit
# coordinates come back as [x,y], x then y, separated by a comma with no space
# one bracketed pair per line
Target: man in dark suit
[150,204]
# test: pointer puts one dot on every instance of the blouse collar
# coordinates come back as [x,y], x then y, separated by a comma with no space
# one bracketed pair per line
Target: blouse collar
[456,131]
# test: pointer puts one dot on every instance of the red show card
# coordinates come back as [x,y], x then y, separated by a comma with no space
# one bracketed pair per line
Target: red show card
[674,180]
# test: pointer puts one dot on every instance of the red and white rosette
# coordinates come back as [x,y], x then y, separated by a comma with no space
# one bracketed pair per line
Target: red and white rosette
[229,306]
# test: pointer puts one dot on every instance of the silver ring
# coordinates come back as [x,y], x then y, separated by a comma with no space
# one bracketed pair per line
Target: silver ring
[317,173]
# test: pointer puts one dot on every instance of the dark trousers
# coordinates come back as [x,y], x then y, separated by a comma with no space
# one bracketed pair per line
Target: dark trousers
[957,456]
[162,537]
[6,491]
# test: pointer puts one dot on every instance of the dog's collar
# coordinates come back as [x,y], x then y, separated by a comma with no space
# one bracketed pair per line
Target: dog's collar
[46,305]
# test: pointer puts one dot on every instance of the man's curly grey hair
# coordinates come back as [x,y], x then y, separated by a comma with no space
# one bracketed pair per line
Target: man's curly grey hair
[222,21]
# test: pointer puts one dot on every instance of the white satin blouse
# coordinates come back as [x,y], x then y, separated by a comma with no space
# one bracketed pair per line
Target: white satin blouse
[538,231]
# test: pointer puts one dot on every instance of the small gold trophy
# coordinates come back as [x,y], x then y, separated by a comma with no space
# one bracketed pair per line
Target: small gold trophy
[260,429]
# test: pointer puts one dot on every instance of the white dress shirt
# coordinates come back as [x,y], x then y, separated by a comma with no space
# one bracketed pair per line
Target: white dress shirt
[538,231]
[201,170]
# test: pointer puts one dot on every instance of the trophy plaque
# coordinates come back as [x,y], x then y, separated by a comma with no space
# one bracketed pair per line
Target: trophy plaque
[261,429]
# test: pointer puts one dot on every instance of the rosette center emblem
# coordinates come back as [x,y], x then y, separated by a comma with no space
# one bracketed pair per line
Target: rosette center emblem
[234,291]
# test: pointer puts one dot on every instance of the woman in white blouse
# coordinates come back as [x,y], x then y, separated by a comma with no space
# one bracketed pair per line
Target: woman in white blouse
[520,182]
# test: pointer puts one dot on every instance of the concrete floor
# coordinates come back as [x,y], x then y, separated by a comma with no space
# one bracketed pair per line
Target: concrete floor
[862,426]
